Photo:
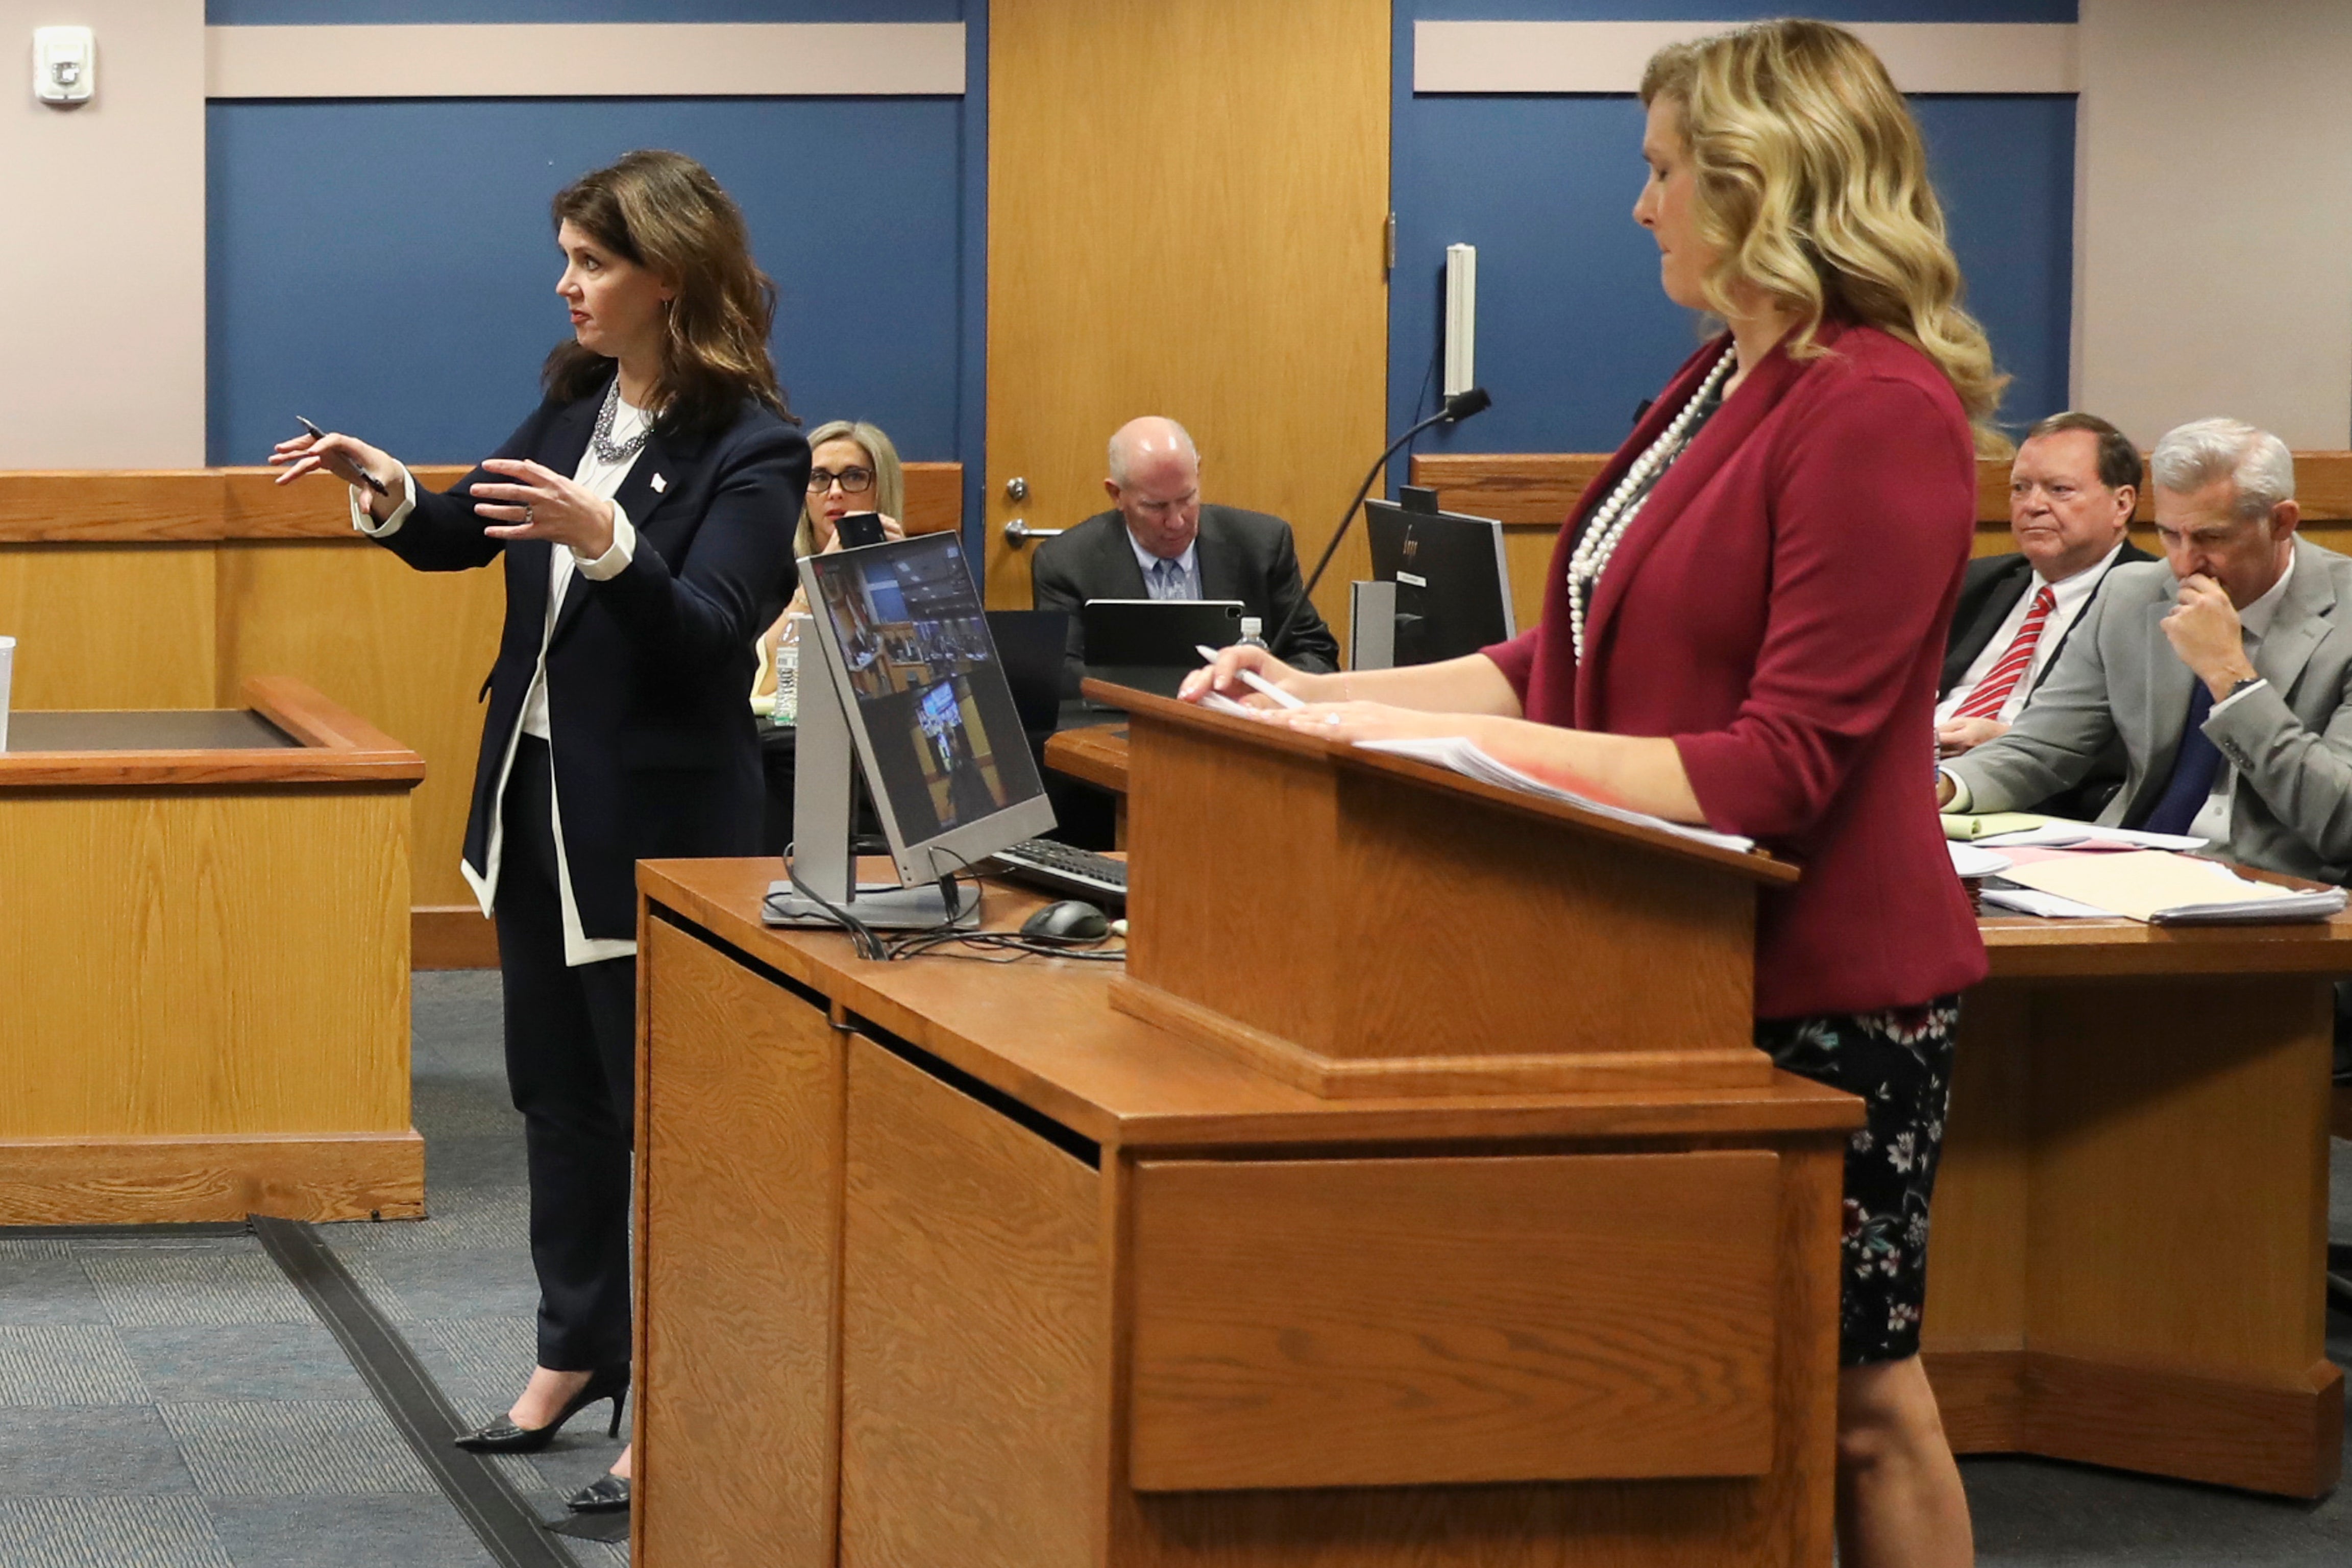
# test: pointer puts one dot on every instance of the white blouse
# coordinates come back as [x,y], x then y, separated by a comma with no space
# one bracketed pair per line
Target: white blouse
[602,479]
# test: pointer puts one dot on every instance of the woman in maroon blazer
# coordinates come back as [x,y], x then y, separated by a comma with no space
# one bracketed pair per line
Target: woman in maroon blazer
[1743,628]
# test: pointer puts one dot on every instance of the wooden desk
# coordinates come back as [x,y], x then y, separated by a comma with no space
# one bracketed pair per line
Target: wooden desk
[1098,756]
[203,969]
[946,1263]
[2128,1253]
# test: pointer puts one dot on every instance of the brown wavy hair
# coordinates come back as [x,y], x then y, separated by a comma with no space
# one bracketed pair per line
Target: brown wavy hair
[664,211]
[1812,188]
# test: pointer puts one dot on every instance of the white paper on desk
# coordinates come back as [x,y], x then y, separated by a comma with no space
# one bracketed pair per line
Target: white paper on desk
[2048,906]
[2166,889]
[1468,759]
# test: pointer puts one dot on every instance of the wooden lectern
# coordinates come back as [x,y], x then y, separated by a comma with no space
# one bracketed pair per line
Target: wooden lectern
[1363,1229]
[1356,923]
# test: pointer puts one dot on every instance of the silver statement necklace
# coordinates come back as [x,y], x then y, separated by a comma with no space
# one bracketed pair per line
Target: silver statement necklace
[1615,516]
[607,449]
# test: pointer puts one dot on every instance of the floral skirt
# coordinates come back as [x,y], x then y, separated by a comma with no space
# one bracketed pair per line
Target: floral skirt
[1900,1064]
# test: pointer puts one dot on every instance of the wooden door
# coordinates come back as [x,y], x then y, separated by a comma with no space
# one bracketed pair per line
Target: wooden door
[1186,210]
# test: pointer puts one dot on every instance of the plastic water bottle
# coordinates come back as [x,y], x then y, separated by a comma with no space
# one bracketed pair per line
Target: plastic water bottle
[1253,632]
[787,672]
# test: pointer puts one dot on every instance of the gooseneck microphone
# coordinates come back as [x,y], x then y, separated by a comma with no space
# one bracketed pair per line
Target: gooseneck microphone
[1459,407]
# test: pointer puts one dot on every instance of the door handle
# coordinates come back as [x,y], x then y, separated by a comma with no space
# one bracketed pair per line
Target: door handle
[1017,533]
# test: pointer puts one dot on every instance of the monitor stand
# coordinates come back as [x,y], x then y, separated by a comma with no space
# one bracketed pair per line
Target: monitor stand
[824,820]
[1371,625]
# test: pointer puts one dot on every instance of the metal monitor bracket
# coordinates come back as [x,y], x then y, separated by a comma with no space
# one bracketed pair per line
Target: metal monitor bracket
[823,858]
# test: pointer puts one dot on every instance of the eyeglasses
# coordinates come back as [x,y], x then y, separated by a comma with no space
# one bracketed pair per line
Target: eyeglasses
[853,481]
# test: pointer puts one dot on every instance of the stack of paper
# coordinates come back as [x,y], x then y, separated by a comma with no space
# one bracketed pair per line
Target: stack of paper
[2162,888]
[1467,758]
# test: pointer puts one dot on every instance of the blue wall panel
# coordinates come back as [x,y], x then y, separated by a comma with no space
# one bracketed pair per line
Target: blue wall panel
[1718,10]
[389,267]
[319,13]
[1572,329]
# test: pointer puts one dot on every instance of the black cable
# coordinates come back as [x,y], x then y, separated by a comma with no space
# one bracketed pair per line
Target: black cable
[1459,407]
[861,936]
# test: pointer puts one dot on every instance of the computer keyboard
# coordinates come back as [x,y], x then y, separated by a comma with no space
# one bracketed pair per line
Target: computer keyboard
[1081,873]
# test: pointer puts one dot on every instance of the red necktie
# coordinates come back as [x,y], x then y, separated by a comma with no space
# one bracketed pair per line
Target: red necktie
[1993,692]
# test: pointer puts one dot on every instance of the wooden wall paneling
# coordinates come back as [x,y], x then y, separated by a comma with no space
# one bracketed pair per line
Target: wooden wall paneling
[934,497]
[973,1354]
[1393,1321]
[740,1205]
[218,901]
[408,649]
[1220,262]
[109,625]
[1782,1517]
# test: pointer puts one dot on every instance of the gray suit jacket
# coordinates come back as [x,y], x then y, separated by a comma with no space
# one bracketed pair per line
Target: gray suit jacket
[2291,741]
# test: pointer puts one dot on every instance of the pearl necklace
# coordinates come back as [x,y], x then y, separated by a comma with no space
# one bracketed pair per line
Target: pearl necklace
[1614,517]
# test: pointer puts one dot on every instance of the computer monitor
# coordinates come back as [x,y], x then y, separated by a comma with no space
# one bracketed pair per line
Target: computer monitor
[1453,581]
[915,691]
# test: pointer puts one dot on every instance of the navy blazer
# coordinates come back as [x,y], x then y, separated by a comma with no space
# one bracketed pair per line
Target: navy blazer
[649,672]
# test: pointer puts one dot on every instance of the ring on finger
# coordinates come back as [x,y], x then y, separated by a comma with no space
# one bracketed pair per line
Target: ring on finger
[526,514]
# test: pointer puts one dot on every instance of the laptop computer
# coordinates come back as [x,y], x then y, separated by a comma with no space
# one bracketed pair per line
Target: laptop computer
[1151,643]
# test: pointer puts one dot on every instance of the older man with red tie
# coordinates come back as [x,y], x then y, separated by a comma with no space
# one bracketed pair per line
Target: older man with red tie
[2071,493]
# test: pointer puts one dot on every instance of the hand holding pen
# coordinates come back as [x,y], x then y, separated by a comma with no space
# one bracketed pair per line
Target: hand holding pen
[347,457]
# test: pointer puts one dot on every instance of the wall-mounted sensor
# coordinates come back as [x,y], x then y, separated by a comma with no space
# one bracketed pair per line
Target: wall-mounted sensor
[65,64]
[1461,318]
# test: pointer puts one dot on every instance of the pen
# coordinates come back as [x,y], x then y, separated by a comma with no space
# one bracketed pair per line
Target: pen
[1253,679]
[374,483]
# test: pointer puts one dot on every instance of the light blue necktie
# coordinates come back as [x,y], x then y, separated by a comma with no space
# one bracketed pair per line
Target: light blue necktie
[1167,580]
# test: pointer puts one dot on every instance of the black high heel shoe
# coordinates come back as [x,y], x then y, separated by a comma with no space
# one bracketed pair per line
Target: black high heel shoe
[503,1436]
[606,1494]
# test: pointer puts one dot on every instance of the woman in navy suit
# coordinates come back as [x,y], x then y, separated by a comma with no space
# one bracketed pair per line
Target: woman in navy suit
[644,513]
[1743,626]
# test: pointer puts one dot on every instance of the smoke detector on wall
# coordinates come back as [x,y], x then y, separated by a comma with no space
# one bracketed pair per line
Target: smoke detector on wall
[65,65]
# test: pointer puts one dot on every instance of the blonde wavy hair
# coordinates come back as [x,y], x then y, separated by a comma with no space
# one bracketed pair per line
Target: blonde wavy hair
[1813,189]
[890,494]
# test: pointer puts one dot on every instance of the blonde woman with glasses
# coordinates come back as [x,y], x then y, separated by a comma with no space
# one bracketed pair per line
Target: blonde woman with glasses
[1744,626]
[854,467]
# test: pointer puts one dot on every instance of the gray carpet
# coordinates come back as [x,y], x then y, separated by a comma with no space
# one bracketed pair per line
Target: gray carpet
[173,1403]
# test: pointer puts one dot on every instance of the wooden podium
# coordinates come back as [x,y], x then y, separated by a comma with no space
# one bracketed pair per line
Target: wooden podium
[962,1263]
[204,966]
[1356,923]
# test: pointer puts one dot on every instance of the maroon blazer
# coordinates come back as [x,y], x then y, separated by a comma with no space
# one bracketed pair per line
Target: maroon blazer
[1778,608]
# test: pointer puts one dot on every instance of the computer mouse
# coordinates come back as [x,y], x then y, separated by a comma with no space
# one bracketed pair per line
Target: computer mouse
[1072,920]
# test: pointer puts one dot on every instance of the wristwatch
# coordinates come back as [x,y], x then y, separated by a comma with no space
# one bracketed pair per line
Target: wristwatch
[2240,685]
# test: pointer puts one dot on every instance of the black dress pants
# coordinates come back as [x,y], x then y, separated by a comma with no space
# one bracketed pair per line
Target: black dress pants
[571,1068]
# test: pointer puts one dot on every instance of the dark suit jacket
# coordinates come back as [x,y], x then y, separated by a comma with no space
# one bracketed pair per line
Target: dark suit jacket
[1991,588]
[1778,608]
[1244,555]
[655,756]
[1988,591]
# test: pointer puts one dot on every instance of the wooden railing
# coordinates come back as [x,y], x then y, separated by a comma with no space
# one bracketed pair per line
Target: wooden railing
[172,589]
[1532,493]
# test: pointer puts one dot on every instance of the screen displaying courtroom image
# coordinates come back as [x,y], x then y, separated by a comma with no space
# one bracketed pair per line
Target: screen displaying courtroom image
[946,738]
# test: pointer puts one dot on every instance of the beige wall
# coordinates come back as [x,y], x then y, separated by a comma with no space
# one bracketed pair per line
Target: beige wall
[102,277]
[2214,262]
